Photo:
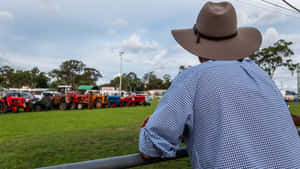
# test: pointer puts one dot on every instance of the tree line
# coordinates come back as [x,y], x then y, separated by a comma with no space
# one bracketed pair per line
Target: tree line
[75,72]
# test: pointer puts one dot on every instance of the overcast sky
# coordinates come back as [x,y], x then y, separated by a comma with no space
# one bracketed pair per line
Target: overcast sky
[45,33]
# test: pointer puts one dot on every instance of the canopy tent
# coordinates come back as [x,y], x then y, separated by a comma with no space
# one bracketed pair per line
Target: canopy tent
[87,87]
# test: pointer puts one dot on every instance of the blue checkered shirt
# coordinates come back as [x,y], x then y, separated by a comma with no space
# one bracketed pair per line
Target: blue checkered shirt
[231,115]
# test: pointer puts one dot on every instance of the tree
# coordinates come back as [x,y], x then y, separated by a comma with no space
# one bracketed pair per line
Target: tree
[19,78]
[75,73]
[134,83]
[167,81]
[6,74]
[182,68]
[152,82]
[89,76]
[275,56]
[42,81]
[38,79]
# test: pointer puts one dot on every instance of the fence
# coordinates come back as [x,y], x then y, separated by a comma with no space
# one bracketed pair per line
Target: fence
[120,162]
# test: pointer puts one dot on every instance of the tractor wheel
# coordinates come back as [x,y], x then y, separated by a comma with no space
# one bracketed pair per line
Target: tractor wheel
[113,105]
[68,99]
[133,104]
[48,102]
[62,106]
[127,104]
[108,105]
[37,108]
[3,108]
[57,100]
[143,104]
[80,106]
[27,108]
[98,105]
[14,108]
[73,106]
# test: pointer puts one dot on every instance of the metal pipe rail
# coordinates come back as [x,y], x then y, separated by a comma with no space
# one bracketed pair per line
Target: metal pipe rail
[120,162]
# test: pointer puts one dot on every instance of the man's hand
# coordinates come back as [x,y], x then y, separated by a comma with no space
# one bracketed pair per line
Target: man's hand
[181,138]
[145,121]
[145,156]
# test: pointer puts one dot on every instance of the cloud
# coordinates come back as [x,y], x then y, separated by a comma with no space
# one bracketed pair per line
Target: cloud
[6,16]
[267,18]
[50,6]
[18,61]
[259,13]
[120,22]
[158,62]
[3,61]
[135,45]
[270,37]
[111,32]
[261,18]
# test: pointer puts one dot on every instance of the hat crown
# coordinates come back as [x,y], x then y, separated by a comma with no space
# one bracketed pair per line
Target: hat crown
[217,20]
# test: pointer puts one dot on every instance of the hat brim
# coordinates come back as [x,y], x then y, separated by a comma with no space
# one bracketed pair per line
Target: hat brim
[247,41]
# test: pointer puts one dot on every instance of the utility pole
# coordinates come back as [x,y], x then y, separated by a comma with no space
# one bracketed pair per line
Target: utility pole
[121,71]
[298,82]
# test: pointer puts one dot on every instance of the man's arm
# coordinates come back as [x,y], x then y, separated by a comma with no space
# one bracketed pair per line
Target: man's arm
[160,137]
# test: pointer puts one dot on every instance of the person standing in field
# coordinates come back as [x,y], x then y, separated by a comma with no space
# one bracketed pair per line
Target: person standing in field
[227,109]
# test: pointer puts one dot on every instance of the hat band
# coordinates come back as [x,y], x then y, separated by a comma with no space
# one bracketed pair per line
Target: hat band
[199,34]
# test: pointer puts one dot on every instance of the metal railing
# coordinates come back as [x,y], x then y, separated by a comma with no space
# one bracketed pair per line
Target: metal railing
[120,162]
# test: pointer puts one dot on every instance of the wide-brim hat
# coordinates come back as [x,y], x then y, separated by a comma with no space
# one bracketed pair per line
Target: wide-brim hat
[216,35]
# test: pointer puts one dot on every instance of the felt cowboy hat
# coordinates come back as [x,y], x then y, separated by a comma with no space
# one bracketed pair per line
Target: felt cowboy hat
[216,35]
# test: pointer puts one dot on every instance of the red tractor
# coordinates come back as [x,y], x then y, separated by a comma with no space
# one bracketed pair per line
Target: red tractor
[13,104]
[81,101]
[65,102]
[73,101]
[134,100]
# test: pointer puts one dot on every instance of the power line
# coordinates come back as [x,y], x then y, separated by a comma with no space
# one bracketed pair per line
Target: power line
[292,6]
[277,5]
[266,8]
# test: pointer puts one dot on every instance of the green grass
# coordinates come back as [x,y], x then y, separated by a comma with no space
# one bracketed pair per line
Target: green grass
[295,108]
[30,140]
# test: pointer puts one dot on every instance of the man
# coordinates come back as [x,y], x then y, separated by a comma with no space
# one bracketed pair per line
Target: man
[228,110]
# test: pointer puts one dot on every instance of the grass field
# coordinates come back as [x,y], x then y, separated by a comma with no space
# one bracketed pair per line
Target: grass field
[30,140]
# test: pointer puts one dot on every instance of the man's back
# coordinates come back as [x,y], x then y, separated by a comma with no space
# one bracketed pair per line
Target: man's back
[241,120]
[233,116]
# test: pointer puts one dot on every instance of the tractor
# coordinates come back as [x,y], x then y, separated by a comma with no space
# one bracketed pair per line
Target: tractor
[134,101]
[98,100]
[64,102]
[115,101]
[16,100]
[13,104]
[80,101]
[101,101]
[46,103]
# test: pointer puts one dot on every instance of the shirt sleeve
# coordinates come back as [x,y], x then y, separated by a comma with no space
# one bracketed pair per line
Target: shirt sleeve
[160,137]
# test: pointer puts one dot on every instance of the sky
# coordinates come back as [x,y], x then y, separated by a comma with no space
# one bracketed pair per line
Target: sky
[44,33]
